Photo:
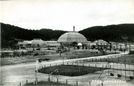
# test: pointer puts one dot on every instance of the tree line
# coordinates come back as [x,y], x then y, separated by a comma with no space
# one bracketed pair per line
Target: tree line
[117,33]
[11,34]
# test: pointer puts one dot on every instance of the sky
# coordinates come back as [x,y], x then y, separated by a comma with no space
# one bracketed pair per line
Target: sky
[64,14]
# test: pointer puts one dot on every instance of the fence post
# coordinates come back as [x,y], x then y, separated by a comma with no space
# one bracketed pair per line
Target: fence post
[20,84]
[49,78]
[57,80]
[95,65]
[89,65]
[89,83]
[66,81]
[26,81]
[100,60]
[76,83]
[83,64]
[35,82]
[133,73]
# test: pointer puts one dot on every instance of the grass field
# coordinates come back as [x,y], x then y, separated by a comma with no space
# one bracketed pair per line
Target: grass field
[56,56]
[128,59]
[69,70]
[44,83]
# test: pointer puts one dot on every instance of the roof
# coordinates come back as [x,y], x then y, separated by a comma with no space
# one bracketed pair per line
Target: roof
[25,42]
[72,37]
[101,42]
[52,43]
[37,41]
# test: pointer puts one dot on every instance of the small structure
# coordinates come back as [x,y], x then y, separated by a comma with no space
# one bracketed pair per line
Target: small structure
[122,46]
[131,48]
[6,53]
[37,42]
[24,44]
[101,44]
[92,45]
[113,45]
[52,44]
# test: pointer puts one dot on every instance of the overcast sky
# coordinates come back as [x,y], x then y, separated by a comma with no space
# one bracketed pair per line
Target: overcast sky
[64,14]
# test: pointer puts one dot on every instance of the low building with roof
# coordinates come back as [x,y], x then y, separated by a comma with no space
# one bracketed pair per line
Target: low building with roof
[101,44]
[37,43]
[52,44]
[24,44]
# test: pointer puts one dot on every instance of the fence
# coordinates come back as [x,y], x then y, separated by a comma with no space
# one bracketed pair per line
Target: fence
[75,82]
[113,69]
[79,83]
[109,83]
[58,80]
[115,66]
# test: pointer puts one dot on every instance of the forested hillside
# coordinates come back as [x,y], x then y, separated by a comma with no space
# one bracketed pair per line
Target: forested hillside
[10,34]
[121,32]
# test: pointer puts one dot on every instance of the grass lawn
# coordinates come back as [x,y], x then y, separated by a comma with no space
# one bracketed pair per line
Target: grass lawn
[54,56]
[17,60]
[128,59]
[69,70]
[81,54]
[51,56]
[44,83]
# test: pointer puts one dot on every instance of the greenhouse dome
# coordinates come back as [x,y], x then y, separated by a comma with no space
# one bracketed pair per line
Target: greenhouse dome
[71,37]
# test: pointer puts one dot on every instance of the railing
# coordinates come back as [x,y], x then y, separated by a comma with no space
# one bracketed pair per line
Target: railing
[80,62]
[57,80]
[109,83]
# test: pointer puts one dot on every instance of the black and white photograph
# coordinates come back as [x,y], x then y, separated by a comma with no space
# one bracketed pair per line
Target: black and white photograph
[66,42]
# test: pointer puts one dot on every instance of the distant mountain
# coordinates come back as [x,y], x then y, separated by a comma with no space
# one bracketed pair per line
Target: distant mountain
[121,32]
[10,34]
[50,34]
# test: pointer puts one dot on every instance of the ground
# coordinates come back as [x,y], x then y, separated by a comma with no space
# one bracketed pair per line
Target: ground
[127,59]
[50,55]
[12,75]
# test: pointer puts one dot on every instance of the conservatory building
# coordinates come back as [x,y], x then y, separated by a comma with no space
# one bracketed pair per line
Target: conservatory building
[72,38]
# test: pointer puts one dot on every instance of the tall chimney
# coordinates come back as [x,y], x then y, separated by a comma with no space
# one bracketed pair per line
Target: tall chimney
[74,28]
